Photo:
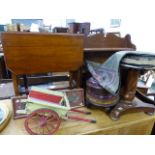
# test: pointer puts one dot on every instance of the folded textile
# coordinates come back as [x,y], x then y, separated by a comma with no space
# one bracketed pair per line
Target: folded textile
[107,74]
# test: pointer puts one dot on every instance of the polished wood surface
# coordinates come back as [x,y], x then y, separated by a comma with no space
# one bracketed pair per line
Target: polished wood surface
[108,41]
[29,53]
[101,54]
[129,84]
[32,53]
[128,99]
[99,47]
[106,49]
[129,124]
[96,47]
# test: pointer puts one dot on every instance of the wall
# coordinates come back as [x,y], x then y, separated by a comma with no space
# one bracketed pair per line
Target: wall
[137,16]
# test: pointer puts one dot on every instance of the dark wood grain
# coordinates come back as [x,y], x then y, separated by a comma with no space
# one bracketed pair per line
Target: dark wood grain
[28,53]
[32,53]
[129,85]
[99,47]
[108,41]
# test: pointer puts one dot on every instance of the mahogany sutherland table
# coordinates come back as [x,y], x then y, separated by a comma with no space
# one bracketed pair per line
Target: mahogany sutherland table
[137,123]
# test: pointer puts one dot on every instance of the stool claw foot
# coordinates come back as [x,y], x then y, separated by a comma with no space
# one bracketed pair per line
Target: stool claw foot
[114,115]
[150,113]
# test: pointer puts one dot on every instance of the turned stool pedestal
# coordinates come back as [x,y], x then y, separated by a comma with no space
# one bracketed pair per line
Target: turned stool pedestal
[128,99]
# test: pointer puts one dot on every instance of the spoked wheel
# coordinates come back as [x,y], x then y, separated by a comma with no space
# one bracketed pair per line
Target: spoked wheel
[42,122]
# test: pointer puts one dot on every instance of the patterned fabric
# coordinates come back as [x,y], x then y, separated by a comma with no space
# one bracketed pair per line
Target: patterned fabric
[97,95]
[107,74]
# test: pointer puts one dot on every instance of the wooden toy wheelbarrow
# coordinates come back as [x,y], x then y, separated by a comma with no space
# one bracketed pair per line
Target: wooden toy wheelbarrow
[45,118]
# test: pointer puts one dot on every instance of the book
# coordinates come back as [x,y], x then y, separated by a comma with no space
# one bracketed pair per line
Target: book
[45,96]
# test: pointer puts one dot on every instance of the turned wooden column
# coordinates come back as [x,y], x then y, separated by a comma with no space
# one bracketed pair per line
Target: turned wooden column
[129,85]
[129,79]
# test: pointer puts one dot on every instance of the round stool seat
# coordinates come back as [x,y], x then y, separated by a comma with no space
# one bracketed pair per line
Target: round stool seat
[139,62]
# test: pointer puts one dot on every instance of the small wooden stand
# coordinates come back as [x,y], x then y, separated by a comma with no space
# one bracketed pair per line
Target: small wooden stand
[128,101]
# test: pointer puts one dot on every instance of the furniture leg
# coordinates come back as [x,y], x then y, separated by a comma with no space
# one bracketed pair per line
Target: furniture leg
[15,84]
[128,100]
[134,106]
[70,79]
[130,85]
[77,78]
[25,84]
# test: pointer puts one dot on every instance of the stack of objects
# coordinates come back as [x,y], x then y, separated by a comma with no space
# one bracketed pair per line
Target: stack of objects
[81,28]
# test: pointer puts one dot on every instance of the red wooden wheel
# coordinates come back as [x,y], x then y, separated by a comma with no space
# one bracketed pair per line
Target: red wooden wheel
[42,122]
